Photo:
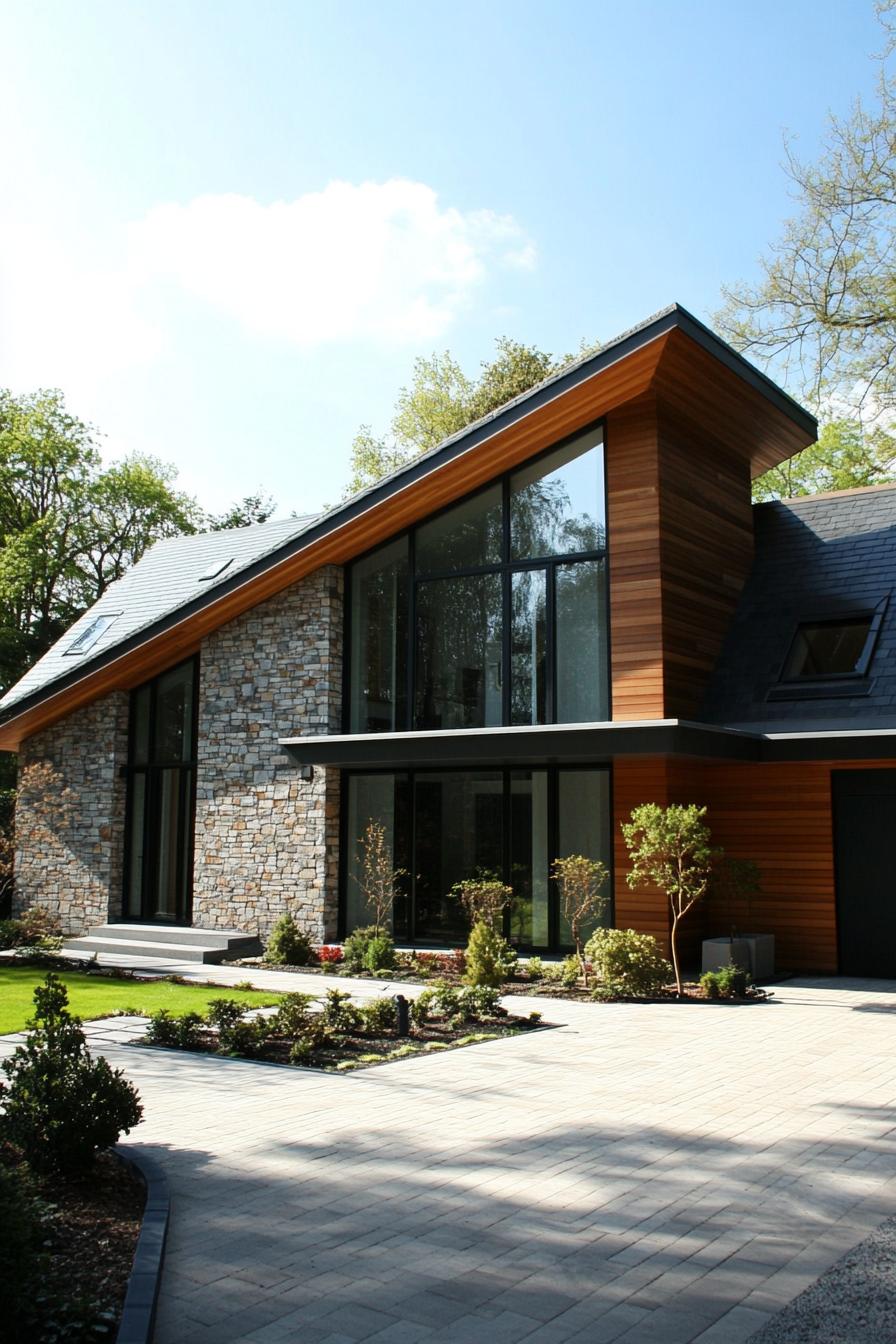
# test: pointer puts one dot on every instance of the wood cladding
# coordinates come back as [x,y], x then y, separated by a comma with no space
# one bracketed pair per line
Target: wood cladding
[779,816]
[680,530]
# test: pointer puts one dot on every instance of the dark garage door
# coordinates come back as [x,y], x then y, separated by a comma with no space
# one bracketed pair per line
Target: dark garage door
[865,856]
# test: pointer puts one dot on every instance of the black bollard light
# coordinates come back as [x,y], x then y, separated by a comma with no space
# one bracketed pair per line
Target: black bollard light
[404,1018]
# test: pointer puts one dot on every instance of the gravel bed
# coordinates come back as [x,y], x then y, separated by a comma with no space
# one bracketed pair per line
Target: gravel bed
[854,1302]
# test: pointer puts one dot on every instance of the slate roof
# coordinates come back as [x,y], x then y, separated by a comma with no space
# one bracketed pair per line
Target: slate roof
[168,577]
[816,557]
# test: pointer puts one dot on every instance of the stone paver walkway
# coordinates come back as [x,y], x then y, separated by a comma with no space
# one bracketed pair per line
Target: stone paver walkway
[656,1173]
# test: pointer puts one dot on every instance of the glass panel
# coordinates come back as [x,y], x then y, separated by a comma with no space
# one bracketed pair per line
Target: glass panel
[169,815]
[459,652]
[584,828]
[528,702]
[828,648]
[582,681]
[459,830]
[174,715]
[529,857]
[467,535]
[379,603]
[140,741]
[557,503]
[382,798]
[137,831]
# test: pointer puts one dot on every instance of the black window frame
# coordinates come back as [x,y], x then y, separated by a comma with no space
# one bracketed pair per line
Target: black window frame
[820,684]
[507,567]
[152,770]
[553,835]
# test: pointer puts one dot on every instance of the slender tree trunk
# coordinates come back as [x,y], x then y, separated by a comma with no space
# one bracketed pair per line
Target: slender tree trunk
[674,942]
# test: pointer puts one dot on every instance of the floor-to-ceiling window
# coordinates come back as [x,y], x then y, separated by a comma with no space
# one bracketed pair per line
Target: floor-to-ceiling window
[161,790]
[494,611]
[446,825]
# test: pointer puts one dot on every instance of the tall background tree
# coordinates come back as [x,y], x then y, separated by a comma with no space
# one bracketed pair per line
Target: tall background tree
[823,315]
[441,400]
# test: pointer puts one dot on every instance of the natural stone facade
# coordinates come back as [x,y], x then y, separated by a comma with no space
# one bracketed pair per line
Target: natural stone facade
[70,816]
[267,841]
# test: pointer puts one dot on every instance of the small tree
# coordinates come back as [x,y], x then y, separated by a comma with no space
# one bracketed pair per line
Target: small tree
[483,898]
[379,880]
[61,1106]
[669,848]
[581,885]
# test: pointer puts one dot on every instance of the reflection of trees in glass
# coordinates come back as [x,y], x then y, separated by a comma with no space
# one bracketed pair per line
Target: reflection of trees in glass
[379,640]
[458,674]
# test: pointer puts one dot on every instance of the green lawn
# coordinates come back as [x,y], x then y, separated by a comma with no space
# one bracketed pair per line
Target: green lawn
[92,996]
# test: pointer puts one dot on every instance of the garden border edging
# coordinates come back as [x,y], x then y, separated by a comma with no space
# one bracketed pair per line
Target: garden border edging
[139,1311]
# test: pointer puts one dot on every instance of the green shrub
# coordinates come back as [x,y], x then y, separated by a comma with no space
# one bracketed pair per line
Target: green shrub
[368,949]
[534,968]
[339,1014]
[245,1038]
[224,1013]
[380,1018]
[177,1033]
[422,1007]
[480,1001]
[293,1015]
[490,959]
[627,962]
[564,972]
[729,982]
[37,927]
[288,945]
[61,1105]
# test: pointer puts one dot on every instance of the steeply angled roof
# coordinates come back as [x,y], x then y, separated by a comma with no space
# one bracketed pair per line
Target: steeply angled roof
[819,557]
[164,605]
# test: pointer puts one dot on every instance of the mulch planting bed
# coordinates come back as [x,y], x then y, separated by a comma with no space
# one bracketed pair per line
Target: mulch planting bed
[357,1050]
[91,1225]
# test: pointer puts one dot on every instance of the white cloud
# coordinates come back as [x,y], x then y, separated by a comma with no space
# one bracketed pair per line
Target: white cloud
[378,261]
[382,262]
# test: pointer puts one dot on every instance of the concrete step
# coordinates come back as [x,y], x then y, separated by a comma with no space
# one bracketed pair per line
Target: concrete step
[206,946]
[175,933]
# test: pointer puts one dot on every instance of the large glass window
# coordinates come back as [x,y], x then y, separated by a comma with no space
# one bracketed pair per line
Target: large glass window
[557,502]
[446,825]
[378,658]
[161,787]
[459,652]
[492,612]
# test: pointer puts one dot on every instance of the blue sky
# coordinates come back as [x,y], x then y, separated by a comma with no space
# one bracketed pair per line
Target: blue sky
[227,229]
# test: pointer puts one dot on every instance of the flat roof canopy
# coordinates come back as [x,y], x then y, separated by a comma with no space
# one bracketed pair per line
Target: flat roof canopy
[580,743]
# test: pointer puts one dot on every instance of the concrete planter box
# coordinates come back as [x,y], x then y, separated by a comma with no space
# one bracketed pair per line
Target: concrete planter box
[754,952]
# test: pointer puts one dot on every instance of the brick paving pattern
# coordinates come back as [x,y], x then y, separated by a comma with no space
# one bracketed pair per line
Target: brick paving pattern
[656,1173]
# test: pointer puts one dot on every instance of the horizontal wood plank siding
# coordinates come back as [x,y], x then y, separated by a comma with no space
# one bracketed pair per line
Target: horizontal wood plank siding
[706,528]
[633,536]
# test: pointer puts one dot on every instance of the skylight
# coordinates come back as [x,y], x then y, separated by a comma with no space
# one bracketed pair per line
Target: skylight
[832,648]
[88,637]
[217,567]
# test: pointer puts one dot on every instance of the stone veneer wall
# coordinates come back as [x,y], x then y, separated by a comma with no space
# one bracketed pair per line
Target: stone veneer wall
[70,816]
[267,841]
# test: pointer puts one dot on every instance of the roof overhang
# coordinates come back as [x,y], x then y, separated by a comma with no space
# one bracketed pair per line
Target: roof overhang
[673,355]
[581,743]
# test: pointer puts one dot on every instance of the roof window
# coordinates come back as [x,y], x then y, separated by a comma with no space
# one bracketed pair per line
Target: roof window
[833,649]
[215,570]
[89,636]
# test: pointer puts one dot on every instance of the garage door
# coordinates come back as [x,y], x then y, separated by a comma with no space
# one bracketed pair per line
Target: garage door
[865,860]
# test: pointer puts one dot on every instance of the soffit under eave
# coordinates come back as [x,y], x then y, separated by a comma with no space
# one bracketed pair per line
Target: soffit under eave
[765,428]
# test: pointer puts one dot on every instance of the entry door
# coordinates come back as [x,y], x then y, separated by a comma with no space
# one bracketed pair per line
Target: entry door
[865,859]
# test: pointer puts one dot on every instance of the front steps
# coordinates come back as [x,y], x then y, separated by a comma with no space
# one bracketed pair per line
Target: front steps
[168,942]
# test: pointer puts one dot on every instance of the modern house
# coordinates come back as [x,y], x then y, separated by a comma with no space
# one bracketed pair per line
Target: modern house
[568,608]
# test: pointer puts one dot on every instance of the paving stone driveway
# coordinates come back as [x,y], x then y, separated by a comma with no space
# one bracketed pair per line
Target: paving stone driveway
[656,1173]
